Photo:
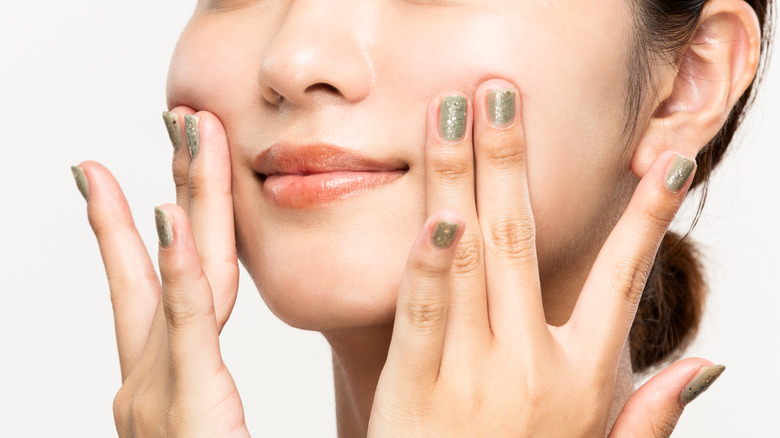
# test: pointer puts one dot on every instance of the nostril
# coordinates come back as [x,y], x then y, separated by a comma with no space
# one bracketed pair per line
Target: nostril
[323,87]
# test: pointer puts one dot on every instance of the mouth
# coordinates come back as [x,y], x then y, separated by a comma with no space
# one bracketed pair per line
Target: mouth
[315,175]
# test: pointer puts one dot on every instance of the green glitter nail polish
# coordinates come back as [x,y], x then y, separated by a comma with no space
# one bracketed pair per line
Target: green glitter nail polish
[501,107]
[452,117]
[193,136]
[444,234]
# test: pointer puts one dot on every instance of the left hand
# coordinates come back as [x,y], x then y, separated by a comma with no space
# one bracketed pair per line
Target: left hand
[471,352]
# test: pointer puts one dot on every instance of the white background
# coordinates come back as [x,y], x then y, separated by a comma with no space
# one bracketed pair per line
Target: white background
[85,80]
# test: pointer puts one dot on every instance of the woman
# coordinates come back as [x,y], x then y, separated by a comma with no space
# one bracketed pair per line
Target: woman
[640,96]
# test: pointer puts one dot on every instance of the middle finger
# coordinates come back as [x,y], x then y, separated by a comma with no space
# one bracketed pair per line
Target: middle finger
[504,209]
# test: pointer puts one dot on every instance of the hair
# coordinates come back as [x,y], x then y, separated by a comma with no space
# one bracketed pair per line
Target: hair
[672,304]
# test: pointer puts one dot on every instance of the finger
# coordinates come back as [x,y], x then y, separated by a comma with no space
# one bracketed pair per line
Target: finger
[605,310]
[135,289]
[423,300]
[180,166]
[193,336]
[449,161]
[211,208]
[505,216]
[654,409]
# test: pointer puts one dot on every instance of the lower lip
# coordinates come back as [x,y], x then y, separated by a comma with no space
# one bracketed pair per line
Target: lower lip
[305,191]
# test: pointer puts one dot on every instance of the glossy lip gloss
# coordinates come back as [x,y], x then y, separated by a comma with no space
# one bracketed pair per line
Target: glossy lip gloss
[314,175]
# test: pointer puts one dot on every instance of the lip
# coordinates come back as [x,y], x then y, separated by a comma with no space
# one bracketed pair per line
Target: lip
[318,174]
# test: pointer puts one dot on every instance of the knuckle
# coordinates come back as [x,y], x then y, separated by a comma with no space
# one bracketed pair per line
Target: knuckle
[202,186]
[426,313]
[663,428]
[197,189]
[450,170]
[505,152]
[468,256]
[659,217]
[630,276]
[181,315]
[427,267]
[515,239]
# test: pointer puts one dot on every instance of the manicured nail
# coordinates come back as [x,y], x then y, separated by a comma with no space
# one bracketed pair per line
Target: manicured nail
[702,382]
[501,107]
[172,124]
[81,180]
[452,117]
[444,234]
[678,173]
[164,227]
[193,136]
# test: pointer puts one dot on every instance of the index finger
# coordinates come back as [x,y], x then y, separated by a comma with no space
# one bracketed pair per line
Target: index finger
[606,307]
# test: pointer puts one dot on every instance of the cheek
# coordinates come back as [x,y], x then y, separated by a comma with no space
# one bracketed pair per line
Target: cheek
[572,78]
[216,60]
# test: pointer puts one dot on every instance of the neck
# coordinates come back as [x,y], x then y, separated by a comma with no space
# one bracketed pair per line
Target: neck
[358,358]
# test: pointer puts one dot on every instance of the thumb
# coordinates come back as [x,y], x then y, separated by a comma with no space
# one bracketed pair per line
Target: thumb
[653,410]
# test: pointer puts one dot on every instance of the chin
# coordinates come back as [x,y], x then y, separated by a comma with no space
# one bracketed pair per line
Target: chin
[329,275]
[319,301]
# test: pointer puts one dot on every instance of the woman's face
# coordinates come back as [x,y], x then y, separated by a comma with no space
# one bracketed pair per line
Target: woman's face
[302,78]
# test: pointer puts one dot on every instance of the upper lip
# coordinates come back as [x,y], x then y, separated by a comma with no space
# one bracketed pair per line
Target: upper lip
[283,159]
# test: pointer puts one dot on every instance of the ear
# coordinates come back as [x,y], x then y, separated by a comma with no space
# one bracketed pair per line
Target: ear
[710,76]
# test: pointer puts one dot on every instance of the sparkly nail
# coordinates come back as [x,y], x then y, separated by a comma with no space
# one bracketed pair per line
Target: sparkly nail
[452,117]
[193,136]
[164,227]
[679,172]
[702,382]
[501,107]
[172,124]
[81,180]
[444,234]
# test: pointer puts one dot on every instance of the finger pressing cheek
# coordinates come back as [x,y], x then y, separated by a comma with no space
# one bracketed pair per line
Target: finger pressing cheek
[449,161]
[504,209]
[175,125]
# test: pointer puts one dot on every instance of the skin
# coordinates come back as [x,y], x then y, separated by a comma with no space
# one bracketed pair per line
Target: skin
[257,73]
[370,66]
[369,63]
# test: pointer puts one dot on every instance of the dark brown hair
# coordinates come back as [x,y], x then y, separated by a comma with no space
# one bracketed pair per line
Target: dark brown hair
[673,301]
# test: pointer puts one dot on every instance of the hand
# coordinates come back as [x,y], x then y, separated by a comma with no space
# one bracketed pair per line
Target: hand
[471,352]
[174,382]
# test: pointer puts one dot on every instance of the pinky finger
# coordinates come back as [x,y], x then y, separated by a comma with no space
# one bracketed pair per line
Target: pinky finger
[654,409]
[188,304]
[418,334]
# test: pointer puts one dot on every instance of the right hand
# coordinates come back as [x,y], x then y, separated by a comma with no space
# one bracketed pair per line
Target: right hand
[174,382]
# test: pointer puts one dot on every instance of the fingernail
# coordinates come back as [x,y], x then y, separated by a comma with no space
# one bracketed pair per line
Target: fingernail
[444,234]
[501,107]
[81,180]
[193,136]
[702,382]
[678,173]
[452,117]
[164,227]
[172,125]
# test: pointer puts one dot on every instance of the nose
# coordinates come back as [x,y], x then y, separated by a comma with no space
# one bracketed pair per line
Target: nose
[318,55]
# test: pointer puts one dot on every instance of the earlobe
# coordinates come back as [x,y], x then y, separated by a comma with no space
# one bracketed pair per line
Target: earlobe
[711,74]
